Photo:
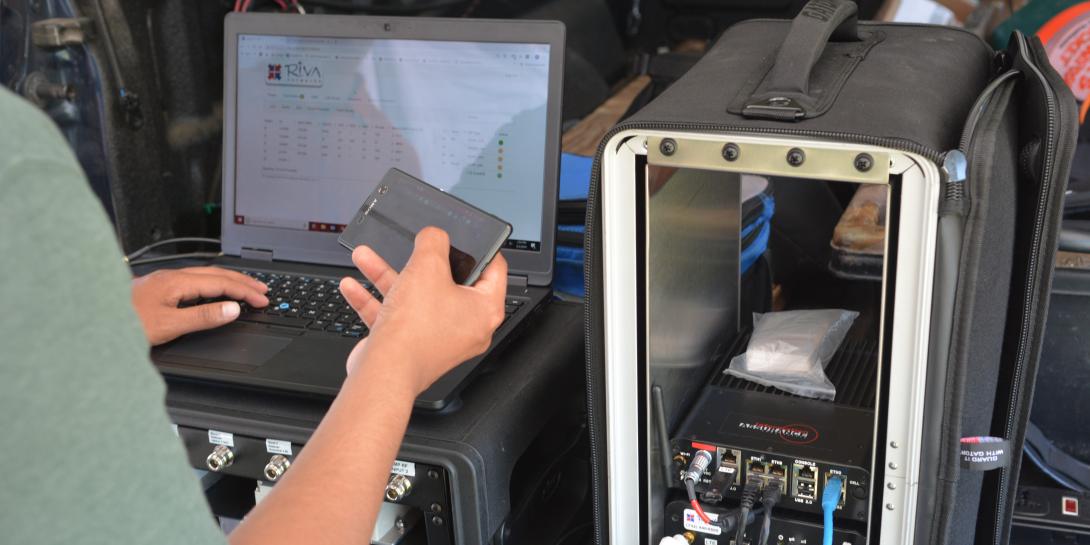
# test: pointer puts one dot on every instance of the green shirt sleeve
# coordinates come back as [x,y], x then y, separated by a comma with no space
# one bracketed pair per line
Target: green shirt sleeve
[90,454]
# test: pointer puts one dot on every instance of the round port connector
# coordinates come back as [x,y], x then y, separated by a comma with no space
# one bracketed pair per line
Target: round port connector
[221,457]
[398,487]
[276,467]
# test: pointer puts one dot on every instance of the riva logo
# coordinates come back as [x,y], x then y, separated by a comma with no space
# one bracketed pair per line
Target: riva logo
[294,74]
[822,10]
[799,434]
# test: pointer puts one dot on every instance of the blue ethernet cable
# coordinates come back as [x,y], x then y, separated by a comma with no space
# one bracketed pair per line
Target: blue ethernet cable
[830,498]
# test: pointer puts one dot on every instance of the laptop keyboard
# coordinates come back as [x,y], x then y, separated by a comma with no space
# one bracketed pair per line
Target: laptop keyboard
[315,303]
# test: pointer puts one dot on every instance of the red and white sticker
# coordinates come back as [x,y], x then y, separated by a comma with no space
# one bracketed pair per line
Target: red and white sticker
[1070,506]
[695,523]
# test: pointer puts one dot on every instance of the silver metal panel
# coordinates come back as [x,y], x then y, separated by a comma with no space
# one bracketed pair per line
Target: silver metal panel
[773,156]
[692,264]
[693,246]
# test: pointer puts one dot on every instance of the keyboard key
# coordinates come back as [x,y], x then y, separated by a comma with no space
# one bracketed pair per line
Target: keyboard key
[318,325]
[510,309]
[348,317]
[356,330]
[272,320]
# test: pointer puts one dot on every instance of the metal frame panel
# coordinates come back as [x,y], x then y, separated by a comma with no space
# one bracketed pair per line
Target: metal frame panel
[894,523]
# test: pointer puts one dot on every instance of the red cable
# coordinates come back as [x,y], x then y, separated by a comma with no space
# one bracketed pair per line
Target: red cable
[283,6]
[246,5]
[238,5]
[700,511]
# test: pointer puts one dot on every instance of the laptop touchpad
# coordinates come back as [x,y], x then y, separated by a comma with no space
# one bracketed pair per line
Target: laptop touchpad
[244,349]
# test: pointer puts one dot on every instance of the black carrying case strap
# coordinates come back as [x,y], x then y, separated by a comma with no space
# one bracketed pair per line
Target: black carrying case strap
[785,94]
[1055,459]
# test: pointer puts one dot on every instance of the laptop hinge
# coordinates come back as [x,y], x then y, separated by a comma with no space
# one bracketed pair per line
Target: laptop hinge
[518,281]
[256,254]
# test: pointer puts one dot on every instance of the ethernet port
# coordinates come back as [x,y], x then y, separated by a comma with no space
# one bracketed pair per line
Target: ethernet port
[755,470]
[805,472]
[731,457]
[756,467]
[843,485]
[804,482]
[777,470]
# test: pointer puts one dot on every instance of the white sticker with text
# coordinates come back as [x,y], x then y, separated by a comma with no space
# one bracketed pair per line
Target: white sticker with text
[693,522]
[221,438]
[407,469]
[276,446]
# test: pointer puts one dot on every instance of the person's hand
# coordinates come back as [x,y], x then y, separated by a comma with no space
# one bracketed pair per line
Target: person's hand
[432,322]
[156,296]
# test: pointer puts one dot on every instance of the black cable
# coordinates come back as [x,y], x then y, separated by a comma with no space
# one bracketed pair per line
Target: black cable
[749,496]
[1052,472]
[770,496]
[663,435]
[177,240]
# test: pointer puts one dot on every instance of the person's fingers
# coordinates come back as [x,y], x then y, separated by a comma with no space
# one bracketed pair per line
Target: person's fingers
[493,278]
[493,284]
[354,360]
[208,286]
[227,273]
[360,300]
[380,273]
[198,318]
[432,247]
[432,240]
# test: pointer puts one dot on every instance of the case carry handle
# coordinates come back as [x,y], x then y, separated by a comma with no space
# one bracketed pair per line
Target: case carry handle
[819,22]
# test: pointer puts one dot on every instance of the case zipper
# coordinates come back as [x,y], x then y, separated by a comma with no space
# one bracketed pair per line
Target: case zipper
[1035,244]
[588,249]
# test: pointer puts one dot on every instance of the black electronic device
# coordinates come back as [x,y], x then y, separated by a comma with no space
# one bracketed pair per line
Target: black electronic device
[758,433]
[401,206]
[681,518]
[504,463]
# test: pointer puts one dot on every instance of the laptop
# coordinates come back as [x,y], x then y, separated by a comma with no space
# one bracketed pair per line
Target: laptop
[316,110]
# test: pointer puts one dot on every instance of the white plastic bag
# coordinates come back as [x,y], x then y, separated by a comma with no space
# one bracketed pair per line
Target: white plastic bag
[789,350]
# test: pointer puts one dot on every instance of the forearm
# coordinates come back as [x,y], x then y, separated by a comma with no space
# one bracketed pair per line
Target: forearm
[333,491]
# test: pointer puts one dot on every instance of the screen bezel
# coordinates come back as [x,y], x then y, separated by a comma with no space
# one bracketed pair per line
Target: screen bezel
[322,248]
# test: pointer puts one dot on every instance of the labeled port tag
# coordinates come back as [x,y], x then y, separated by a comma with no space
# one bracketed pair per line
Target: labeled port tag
[276,446]
[984,453]
[407,469]
[695,523]
[221,438]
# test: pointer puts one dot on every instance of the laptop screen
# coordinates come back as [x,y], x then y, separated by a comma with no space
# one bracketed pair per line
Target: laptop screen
[320,120]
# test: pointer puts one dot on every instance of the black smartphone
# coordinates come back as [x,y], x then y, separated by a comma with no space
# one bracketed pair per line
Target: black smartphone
[401,205]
